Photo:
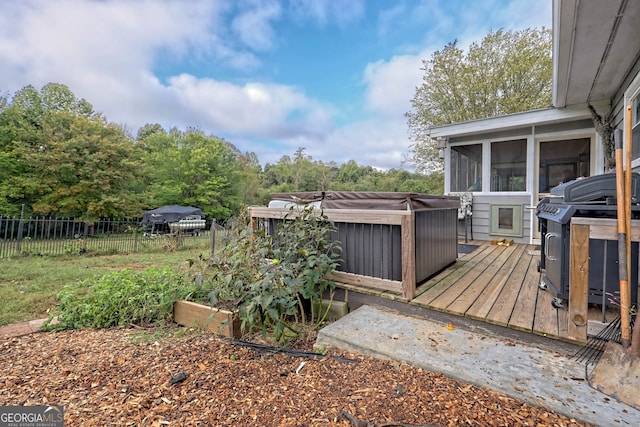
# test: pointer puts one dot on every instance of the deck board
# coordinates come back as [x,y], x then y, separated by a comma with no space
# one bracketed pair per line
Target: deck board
[485,301]
[525,307]
[546,317]
[563,327]
[467,265]
[502,309]
[469,295]
[458,288]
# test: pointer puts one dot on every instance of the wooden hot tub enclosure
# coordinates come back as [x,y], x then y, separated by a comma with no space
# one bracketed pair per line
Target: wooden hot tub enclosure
[390,241]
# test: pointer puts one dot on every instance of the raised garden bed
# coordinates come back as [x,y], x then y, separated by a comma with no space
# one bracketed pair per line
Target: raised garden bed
[223,322]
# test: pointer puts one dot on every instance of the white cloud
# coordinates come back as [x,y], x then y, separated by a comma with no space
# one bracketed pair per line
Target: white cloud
[369,142]
[388,18]
[254,23]
[42,41]
[117,34]
[257,109]
[107,52]
[391,84]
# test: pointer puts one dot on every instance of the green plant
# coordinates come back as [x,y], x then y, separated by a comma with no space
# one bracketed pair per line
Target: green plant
[120,298]
[306,248]
[75,246]
[271,279]
[29,284]
[321,350]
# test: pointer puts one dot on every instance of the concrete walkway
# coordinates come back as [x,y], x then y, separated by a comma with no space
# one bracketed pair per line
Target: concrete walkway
[536,375]
[20,329]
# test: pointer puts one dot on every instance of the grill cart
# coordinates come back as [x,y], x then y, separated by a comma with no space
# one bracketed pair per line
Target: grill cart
[174,219]
[593,197]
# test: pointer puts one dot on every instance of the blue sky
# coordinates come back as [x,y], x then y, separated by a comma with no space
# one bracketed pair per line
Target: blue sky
[270,76]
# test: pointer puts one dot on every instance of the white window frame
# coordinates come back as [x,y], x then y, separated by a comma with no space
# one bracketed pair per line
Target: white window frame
[632,92]
[486,172]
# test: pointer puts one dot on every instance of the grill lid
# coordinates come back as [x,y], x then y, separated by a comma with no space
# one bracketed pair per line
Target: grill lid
[597,188]
[594,196]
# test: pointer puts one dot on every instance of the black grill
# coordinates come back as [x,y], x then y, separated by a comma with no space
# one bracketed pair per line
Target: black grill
[593,197]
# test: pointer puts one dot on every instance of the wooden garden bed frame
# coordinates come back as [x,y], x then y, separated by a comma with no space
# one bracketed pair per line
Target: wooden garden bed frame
[219,321]
[405,219]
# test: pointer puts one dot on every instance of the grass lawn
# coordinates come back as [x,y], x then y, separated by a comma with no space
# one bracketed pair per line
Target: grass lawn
[28,285]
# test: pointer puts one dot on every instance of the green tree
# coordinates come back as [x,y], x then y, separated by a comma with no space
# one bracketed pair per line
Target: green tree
[349,173]
[303,172]
[190,168]
[36,127]
[426,184]
[279,177]
[58,97]
[325,174]
[508,72]
[148,130]
[319,176]
[85,168]
[251,174]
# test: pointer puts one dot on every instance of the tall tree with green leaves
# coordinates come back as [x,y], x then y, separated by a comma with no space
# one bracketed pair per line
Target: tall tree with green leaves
[508,72]
[191,168]
[252,192]
[58,157]
[85,169]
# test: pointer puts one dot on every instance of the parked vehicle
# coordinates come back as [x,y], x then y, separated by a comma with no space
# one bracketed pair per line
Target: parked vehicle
[174,219]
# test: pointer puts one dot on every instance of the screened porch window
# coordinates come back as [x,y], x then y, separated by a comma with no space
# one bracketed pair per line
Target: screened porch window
[562,161]
[466,168]
[509,165]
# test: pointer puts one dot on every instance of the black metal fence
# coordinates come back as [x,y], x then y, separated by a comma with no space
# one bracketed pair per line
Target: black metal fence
[60,236]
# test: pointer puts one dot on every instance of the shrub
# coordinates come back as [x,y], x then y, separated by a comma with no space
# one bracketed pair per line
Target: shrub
[120,298]
[269,279]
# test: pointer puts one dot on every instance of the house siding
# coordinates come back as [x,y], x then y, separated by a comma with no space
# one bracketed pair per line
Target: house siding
[586,124]
[482,216]
[618,109]
[617,101]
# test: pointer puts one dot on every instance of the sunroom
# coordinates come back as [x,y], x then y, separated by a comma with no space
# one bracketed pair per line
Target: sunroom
[509,163]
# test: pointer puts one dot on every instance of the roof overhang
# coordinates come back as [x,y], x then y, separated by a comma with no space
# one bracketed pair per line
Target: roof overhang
[595,46]
[523,120]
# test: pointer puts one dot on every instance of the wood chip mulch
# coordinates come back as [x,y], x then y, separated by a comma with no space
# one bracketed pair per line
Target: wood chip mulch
[177,377]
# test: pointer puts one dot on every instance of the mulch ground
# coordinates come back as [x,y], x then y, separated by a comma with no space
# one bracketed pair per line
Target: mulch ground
[180,377]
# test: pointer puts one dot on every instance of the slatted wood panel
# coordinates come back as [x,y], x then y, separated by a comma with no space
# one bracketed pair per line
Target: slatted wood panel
[498,285]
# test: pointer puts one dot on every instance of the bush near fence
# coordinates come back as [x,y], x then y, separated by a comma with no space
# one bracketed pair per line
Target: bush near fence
[68,236]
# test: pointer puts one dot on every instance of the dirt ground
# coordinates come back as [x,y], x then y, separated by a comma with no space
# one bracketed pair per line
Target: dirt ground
[180,377]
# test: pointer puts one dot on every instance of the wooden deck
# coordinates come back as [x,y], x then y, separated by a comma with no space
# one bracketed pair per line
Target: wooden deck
[496,284]
[499,285]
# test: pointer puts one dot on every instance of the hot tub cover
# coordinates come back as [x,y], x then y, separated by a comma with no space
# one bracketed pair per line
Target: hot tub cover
[371,200]
[169,214]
